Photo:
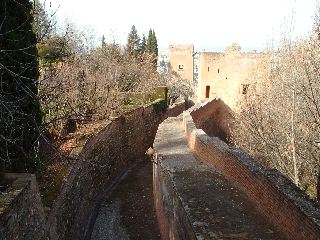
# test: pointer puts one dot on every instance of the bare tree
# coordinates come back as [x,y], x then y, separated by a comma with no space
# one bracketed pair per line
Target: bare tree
[278,121]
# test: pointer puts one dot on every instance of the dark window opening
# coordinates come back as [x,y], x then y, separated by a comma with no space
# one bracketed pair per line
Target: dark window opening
[207,91]
[218,70]
[245,88]
[226,78]
[181,66]
[208,69]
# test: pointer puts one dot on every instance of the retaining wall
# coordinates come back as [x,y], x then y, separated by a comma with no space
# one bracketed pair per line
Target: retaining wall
[104,158]
[172,218]
[21,212]
[215,118]
[286,206]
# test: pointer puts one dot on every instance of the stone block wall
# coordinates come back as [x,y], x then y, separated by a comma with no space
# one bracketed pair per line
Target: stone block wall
[181,60]
[224,74]
[286,206]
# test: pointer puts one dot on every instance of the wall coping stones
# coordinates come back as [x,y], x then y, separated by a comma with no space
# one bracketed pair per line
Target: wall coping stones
[291,197]
[194,200]
[21,211]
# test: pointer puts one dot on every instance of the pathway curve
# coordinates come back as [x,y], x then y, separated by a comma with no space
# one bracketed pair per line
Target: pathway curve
[215,208]
[128,213]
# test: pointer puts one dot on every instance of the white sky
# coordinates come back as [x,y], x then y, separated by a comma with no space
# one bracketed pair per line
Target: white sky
[208,24]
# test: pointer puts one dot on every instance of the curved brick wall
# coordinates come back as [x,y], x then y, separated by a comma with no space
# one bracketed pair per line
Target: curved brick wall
[286,206]
[215,118]
[21,212]
[105,157]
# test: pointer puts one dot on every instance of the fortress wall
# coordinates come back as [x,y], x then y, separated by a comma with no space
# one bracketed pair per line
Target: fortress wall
[103,160]
[225,73]
[171,215]
[286,206]
[214,118]
[182,55]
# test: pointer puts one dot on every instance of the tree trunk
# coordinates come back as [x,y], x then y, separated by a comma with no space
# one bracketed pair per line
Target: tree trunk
[294,159]
[318,184]
[1,172]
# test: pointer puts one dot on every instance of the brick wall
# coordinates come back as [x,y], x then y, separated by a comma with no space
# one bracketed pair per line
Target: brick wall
[171,215]
[21,212]
[225,73]
[215,118]
[286,206]
[105,157]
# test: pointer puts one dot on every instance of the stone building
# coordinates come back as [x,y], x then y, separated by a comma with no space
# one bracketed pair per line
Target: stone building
[218,74]
[181,60]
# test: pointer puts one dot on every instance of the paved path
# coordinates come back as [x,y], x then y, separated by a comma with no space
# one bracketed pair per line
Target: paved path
[215,207]
[128,212]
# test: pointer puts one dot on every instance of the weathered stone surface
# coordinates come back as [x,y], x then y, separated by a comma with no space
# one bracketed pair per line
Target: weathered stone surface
[104,158]
[219,74]
[194,200]
[21,211]
[128,211]
[102,161]
[287,207]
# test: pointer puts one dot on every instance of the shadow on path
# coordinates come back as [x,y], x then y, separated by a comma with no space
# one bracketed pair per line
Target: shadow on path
[128,213]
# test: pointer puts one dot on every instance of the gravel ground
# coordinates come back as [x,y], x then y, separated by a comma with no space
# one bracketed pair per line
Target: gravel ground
[107,226]
[128,213]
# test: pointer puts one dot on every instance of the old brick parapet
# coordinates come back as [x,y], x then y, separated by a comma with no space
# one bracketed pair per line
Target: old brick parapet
[106,156]
[21,211]
[286,206]
[194,200]
[104,159]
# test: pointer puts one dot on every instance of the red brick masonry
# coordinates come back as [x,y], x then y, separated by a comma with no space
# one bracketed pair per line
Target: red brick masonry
[286,206]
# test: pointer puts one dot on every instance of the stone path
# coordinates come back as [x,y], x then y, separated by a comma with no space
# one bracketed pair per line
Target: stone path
[215,207]
[128,213]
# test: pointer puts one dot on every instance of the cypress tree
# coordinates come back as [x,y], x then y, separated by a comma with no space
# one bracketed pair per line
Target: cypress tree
[43,24]
[152,45]
[103,42]
[149,41]
[133,42]
[19,108]
[143,45]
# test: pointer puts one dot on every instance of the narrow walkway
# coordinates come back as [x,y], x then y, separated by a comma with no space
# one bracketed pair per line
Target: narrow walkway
[215,207]
[128,213]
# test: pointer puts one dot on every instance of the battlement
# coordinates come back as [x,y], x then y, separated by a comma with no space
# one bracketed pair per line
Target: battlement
[181,49]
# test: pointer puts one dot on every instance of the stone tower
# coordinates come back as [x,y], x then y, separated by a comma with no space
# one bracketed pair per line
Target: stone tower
[181,60]
[225,74]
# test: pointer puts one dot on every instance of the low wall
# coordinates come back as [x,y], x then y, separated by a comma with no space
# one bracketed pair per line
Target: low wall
[286,206]
[215,118]
[104,158]
[172,218]
[21,212]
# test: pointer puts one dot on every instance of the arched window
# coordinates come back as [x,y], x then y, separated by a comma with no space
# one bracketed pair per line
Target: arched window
[207,91]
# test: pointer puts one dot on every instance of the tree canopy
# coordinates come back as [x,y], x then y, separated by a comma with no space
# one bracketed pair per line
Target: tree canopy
[19,108]
[43,23]
[152,45]
[138,47]
[133,42]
